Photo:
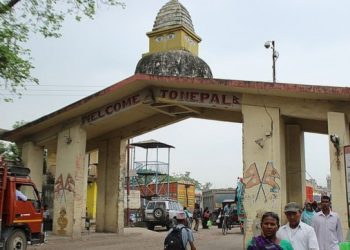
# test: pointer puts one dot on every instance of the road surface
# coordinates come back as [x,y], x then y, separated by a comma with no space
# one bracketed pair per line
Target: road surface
[135,238]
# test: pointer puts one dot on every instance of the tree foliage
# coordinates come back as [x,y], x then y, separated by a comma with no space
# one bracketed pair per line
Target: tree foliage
[19,18]
[187,178]
[9,150]
[19,124]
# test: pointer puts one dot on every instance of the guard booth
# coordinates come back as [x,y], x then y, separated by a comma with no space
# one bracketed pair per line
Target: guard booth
[152,175]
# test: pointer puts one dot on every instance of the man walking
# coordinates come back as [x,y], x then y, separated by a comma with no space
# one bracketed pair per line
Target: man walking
[179,236]
[196,216]
[300,235]
[327,226]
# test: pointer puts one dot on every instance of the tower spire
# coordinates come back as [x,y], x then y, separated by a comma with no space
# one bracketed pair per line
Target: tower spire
[173,45]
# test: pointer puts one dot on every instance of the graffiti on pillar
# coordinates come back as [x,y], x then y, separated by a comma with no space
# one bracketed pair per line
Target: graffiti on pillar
[61,187]
[270,176]
[70,184]
[62,221]
[251,178]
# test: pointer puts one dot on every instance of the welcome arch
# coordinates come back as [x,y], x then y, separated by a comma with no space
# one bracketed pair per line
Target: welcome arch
[274,117]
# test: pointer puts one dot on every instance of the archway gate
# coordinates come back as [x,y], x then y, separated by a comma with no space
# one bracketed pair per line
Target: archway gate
[274,117]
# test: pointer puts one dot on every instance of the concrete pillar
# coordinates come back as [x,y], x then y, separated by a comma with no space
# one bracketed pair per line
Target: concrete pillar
[70,182]
[33,158]
[110,186]
[338,124]
[263,164]
[101,186]
[84,194]
[295,164]
[121,184]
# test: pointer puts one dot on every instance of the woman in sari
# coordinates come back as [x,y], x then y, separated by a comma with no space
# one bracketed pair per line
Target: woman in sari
[268,240]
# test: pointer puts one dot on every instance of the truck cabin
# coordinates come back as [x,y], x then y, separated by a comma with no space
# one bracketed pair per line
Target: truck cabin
[21,213]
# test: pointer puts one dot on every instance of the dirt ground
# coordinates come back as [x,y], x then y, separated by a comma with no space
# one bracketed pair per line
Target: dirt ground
[140,238]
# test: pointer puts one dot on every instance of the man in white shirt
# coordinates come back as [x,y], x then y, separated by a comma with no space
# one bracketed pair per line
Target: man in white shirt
[19,195]
[300,235]
[327,226]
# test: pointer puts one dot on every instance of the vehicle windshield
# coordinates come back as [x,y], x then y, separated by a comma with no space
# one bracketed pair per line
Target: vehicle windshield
[29,191]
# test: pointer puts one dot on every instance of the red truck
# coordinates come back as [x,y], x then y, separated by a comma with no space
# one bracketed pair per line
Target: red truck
[21,219]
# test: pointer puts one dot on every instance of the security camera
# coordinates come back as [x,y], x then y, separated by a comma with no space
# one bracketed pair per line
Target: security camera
[267,45]
[334,139]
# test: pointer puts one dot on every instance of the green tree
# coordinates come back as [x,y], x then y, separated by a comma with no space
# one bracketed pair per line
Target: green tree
[207,186]
[19,18]
[186,178]
[19,124]
[9,150]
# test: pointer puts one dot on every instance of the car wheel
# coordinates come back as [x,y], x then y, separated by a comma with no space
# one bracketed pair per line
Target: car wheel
[150,226]
[171,224]
[158,213]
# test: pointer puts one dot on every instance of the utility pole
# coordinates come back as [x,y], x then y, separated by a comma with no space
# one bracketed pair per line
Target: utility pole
[275,55]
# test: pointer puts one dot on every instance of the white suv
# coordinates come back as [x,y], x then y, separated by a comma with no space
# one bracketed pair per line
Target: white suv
[161,212]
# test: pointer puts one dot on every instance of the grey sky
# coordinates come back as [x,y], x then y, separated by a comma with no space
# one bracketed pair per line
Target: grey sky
[311,37]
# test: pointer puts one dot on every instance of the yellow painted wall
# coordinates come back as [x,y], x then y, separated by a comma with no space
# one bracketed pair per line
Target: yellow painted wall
[91,199]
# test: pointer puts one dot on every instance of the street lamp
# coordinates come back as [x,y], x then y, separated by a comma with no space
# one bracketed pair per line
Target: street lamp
[271,44]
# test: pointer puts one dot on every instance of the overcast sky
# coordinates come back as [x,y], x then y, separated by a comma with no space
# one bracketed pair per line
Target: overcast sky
[312,38]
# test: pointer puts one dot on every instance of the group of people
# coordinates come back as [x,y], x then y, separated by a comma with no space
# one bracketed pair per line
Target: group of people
[319,231]
[305,230]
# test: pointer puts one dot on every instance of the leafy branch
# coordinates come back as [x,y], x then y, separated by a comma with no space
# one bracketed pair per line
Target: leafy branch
[20,18]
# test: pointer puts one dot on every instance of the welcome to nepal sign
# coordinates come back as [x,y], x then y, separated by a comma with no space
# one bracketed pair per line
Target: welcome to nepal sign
[185,97]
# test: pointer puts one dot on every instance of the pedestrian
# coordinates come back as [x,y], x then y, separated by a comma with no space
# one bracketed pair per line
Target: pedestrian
[196,216]
[132,219]
[327,226]
[227,209]
[188,218]
[268,239]
[220,217]
[299,234]
[179,236]
[205,218]
[308,213]
[46,226]
[316,207]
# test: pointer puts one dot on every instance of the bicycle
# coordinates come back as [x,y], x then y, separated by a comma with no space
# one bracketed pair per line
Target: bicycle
[225,225]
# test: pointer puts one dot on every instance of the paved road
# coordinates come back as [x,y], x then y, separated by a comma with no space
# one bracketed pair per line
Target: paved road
[141,238]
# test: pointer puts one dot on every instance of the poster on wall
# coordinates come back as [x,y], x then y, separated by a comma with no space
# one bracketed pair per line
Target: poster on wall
[134,199]
[347,167]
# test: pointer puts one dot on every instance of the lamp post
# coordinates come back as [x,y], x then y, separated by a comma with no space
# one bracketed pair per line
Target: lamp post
[275,54]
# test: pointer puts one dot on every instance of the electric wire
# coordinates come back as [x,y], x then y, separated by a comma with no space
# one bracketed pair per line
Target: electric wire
[61,90]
